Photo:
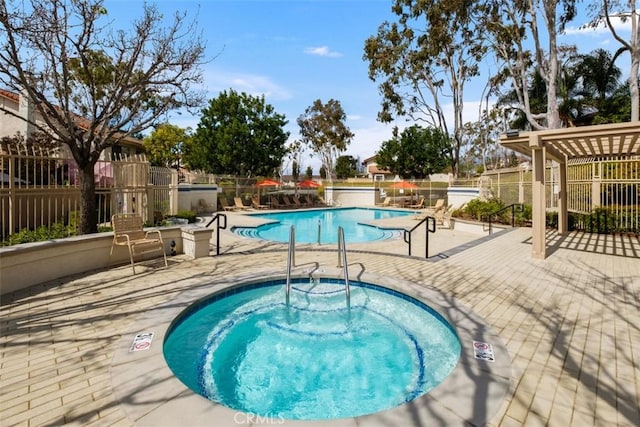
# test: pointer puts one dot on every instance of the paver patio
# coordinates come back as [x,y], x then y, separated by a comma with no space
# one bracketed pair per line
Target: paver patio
[571,323]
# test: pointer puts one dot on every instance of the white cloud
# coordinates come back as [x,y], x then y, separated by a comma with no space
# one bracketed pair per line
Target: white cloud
[217,81]
[600,29]
[322,51]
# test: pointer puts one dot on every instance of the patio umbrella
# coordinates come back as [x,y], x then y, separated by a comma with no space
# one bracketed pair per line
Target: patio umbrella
[307,183]
[266,183]
[405,185]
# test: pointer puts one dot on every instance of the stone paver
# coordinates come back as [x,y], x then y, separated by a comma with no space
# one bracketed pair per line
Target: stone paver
[571,323]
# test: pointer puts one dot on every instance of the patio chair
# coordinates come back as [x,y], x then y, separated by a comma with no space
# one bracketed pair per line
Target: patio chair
[225,204]
[308,201]
[418,205]
[385,203]
[388,202]
[297,203]
[128,231]
[322,202]
[255,203]
[431,211]
[443,216]
[287,202]
[239,204]
[275,203]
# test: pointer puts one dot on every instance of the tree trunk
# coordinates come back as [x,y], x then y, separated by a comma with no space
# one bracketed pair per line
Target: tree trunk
[633,87]
[88,206]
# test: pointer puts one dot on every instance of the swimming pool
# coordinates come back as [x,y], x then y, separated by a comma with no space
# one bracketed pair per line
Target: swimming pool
[316,358]
[306,225]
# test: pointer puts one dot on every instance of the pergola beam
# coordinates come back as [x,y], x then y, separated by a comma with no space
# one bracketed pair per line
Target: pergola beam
[561,145]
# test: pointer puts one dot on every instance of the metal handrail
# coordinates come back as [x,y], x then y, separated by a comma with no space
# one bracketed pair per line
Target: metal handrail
[512,206]
[430,228]
[319,230]
[290,260]
[342,259]
[219,227]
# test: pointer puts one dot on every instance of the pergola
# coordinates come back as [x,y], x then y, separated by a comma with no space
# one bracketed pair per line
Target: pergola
[561,145]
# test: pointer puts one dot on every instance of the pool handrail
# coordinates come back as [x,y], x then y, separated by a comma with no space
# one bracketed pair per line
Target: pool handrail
[430,228]
[342,259]
[290,260]
[219,227]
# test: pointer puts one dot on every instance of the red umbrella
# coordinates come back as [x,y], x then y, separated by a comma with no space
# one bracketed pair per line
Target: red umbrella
[307,183]
[404,185]
[267,183]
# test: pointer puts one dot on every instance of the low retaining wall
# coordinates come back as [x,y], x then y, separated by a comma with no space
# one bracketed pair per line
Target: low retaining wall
[28,264]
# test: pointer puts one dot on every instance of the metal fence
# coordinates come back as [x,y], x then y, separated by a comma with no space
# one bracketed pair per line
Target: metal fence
[594,185]
[41,188]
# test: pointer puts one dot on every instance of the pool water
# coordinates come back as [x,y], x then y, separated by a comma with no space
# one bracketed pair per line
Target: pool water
[316,358]
[306,225]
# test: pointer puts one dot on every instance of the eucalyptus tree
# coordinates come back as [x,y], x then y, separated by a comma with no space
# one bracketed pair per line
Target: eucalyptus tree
[93,86]
[510,26]
[424,60]
[238,134]
[323,130]
[602,12]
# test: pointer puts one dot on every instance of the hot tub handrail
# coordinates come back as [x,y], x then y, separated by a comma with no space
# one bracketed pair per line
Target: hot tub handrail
[342,259]
[290,260]
[219,227]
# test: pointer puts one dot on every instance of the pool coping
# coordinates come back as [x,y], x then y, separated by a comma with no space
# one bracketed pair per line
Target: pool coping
[150,394]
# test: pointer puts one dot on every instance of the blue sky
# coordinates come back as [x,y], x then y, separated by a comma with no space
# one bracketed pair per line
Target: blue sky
[296,51]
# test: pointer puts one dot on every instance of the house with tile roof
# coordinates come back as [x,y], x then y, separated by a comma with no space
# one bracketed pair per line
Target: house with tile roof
[21,121]
[374,172]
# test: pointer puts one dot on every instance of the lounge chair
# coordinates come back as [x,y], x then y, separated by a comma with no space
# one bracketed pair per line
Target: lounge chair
[321,202]
[225,205]
[275,203]
[287,202]
[386,203]
[418,205]
[443,216]
[434,211]
[389,201]
[308,201]
[239,204]
[436,208]
[255,203]
[297,203]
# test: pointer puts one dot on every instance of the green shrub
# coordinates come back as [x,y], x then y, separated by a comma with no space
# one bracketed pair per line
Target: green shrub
[42,233]
[189,215]
[480,209]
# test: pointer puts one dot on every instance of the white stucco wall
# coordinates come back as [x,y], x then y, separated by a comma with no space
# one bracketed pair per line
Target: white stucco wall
[190,194]
[458,196]
[351,196]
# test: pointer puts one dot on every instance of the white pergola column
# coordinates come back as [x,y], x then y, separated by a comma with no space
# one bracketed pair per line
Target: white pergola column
[538,208]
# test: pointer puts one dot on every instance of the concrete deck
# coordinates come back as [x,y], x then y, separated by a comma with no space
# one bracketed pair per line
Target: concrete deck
[570,325]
